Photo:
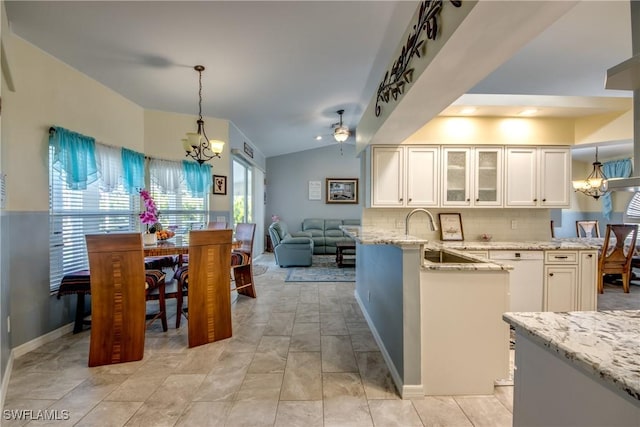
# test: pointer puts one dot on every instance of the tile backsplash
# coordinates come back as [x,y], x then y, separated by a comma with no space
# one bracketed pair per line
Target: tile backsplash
[501,224]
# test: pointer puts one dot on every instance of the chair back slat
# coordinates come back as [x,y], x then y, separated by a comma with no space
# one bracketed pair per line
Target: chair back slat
[587,228]
[245,233]
[217,225]
[209,283]
[617,260]
[116,263]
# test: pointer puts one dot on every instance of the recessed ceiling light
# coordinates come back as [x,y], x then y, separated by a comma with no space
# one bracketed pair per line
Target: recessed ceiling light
[468,110]
[318,138]
[528,112]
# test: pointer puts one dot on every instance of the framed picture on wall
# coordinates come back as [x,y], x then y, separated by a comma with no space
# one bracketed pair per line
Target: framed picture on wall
[342,190]
[219,184]
[450,226]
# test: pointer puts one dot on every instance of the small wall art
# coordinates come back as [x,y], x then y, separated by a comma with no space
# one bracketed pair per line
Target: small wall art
[342,190]
[219,184]
[450,226]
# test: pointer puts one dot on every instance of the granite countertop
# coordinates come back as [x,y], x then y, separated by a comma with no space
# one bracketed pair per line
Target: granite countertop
[602,344]
[381,236]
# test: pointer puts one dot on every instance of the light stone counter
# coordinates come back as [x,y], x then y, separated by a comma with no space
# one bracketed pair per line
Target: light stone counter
[603,344]
[381,236]
[555,244]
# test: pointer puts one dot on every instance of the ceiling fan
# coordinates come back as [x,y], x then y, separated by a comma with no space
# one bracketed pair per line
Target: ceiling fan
[341,133]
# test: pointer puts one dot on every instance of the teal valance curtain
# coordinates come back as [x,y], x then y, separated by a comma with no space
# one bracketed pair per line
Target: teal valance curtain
[75,155]
[133,170]
[613,169]
[197,177]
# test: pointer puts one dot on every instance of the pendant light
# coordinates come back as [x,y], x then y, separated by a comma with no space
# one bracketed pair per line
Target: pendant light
[592,184]
[197,145]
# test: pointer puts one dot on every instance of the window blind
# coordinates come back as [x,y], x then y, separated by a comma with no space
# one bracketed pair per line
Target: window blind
[74,213]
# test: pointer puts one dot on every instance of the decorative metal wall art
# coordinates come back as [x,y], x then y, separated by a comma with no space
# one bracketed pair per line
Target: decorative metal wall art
[395,79]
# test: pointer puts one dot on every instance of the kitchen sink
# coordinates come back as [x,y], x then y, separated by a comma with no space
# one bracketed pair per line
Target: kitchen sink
[444,257]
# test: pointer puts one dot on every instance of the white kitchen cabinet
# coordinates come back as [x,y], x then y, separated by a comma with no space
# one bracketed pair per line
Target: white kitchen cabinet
[387,177]
[537,177]
[456,176]
[587,285]
[404,176]
[472,176]
[422,176]
[487,176]
[570,280]
[560,285]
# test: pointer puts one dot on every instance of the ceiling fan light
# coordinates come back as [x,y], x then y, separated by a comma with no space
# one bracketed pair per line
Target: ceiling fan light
[341,133]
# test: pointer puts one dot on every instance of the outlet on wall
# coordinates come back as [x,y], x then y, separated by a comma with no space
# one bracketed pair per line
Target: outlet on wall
[514,224]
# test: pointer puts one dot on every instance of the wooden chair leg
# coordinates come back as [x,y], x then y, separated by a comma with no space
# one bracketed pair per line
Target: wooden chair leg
[243,276]
[601,283]
[625,283]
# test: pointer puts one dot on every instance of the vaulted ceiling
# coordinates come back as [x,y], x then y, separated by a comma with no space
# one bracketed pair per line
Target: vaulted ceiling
[280,70]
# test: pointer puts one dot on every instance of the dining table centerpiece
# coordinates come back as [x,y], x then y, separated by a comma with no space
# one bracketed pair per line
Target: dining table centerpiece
[149,217]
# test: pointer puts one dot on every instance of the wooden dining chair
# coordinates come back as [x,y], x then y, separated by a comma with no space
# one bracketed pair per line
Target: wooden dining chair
[242,260]
[587,229]
[618,259]
[205,280]
[217,225]
[118,307]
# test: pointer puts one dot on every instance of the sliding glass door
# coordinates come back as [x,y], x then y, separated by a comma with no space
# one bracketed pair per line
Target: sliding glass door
[242,192]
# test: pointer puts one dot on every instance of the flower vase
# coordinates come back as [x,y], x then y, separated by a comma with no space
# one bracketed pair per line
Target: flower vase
[149,239]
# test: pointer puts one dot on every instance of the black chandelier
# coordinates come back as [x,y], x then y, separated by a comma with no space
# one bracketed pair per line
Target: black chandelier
[197,144]
[592,184]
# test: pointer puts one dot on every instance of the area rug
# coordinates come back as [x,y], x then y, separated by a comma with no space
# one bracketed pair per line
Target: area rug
[324,269]
[259,270]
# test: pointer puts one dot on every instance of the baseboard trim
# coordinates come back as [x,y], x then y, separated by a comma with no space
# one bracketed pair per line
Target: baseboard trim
[25,348]
[406,392]
[5,380]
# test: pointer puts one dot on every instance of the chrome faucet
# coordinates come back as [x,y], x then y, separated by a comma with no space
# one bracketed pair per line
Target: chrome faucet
[432,222]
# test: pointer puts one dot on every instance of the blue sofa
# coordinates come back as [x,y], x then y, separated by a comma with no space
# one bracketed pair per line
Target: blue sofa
[290,250]
[326,233]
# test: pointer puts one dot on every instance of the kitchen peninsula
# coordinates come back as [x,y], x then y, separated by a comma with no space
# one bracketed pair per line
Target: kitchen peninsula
[577,369]
[429,314]
[430,306]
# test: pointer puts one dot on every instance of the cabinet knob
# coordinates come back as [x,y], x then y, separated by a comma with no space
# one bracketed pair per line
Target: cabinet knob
[400,198]
[550,274]
[410,199]
[468,200]
[544,200]
[477,200]
[590,255]
[535,200]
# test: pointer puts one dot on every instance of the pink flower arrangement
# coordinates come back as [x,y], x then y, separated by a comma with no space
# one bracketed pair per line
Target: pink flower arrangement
[150,214]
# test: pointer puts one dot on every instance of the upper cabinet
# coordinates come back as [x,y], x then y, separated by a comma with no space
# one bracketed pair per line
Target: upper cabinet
[404,176]
[469,176]
[472,176]
[538,177]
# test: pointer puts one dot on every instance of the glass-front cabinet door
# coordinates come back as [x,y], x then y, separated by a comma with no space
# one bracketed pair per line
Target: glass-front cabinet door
[456,177]
[487,177]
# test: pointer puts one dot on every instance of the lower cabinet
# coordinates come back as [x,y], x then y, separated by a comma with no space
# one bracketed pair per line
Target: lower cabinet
[570,280]
[560,287]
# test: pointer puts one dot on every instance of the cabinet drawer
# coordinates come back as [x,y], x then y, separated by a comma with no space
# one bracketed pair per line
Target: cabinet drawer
[561,257]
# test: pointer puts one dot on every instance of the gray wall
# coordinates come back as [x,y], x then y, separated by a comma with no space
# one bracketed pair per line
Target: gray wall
[379,285]
[288,179]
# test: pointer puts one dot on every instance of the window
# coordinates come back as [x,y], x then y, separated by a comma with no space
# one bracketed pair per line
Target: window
[179,210]
[74,213]
[242,192]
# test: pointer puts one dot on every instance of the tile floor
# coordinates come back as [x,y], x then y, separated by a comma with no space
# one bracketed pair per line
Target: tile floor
[301,355]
